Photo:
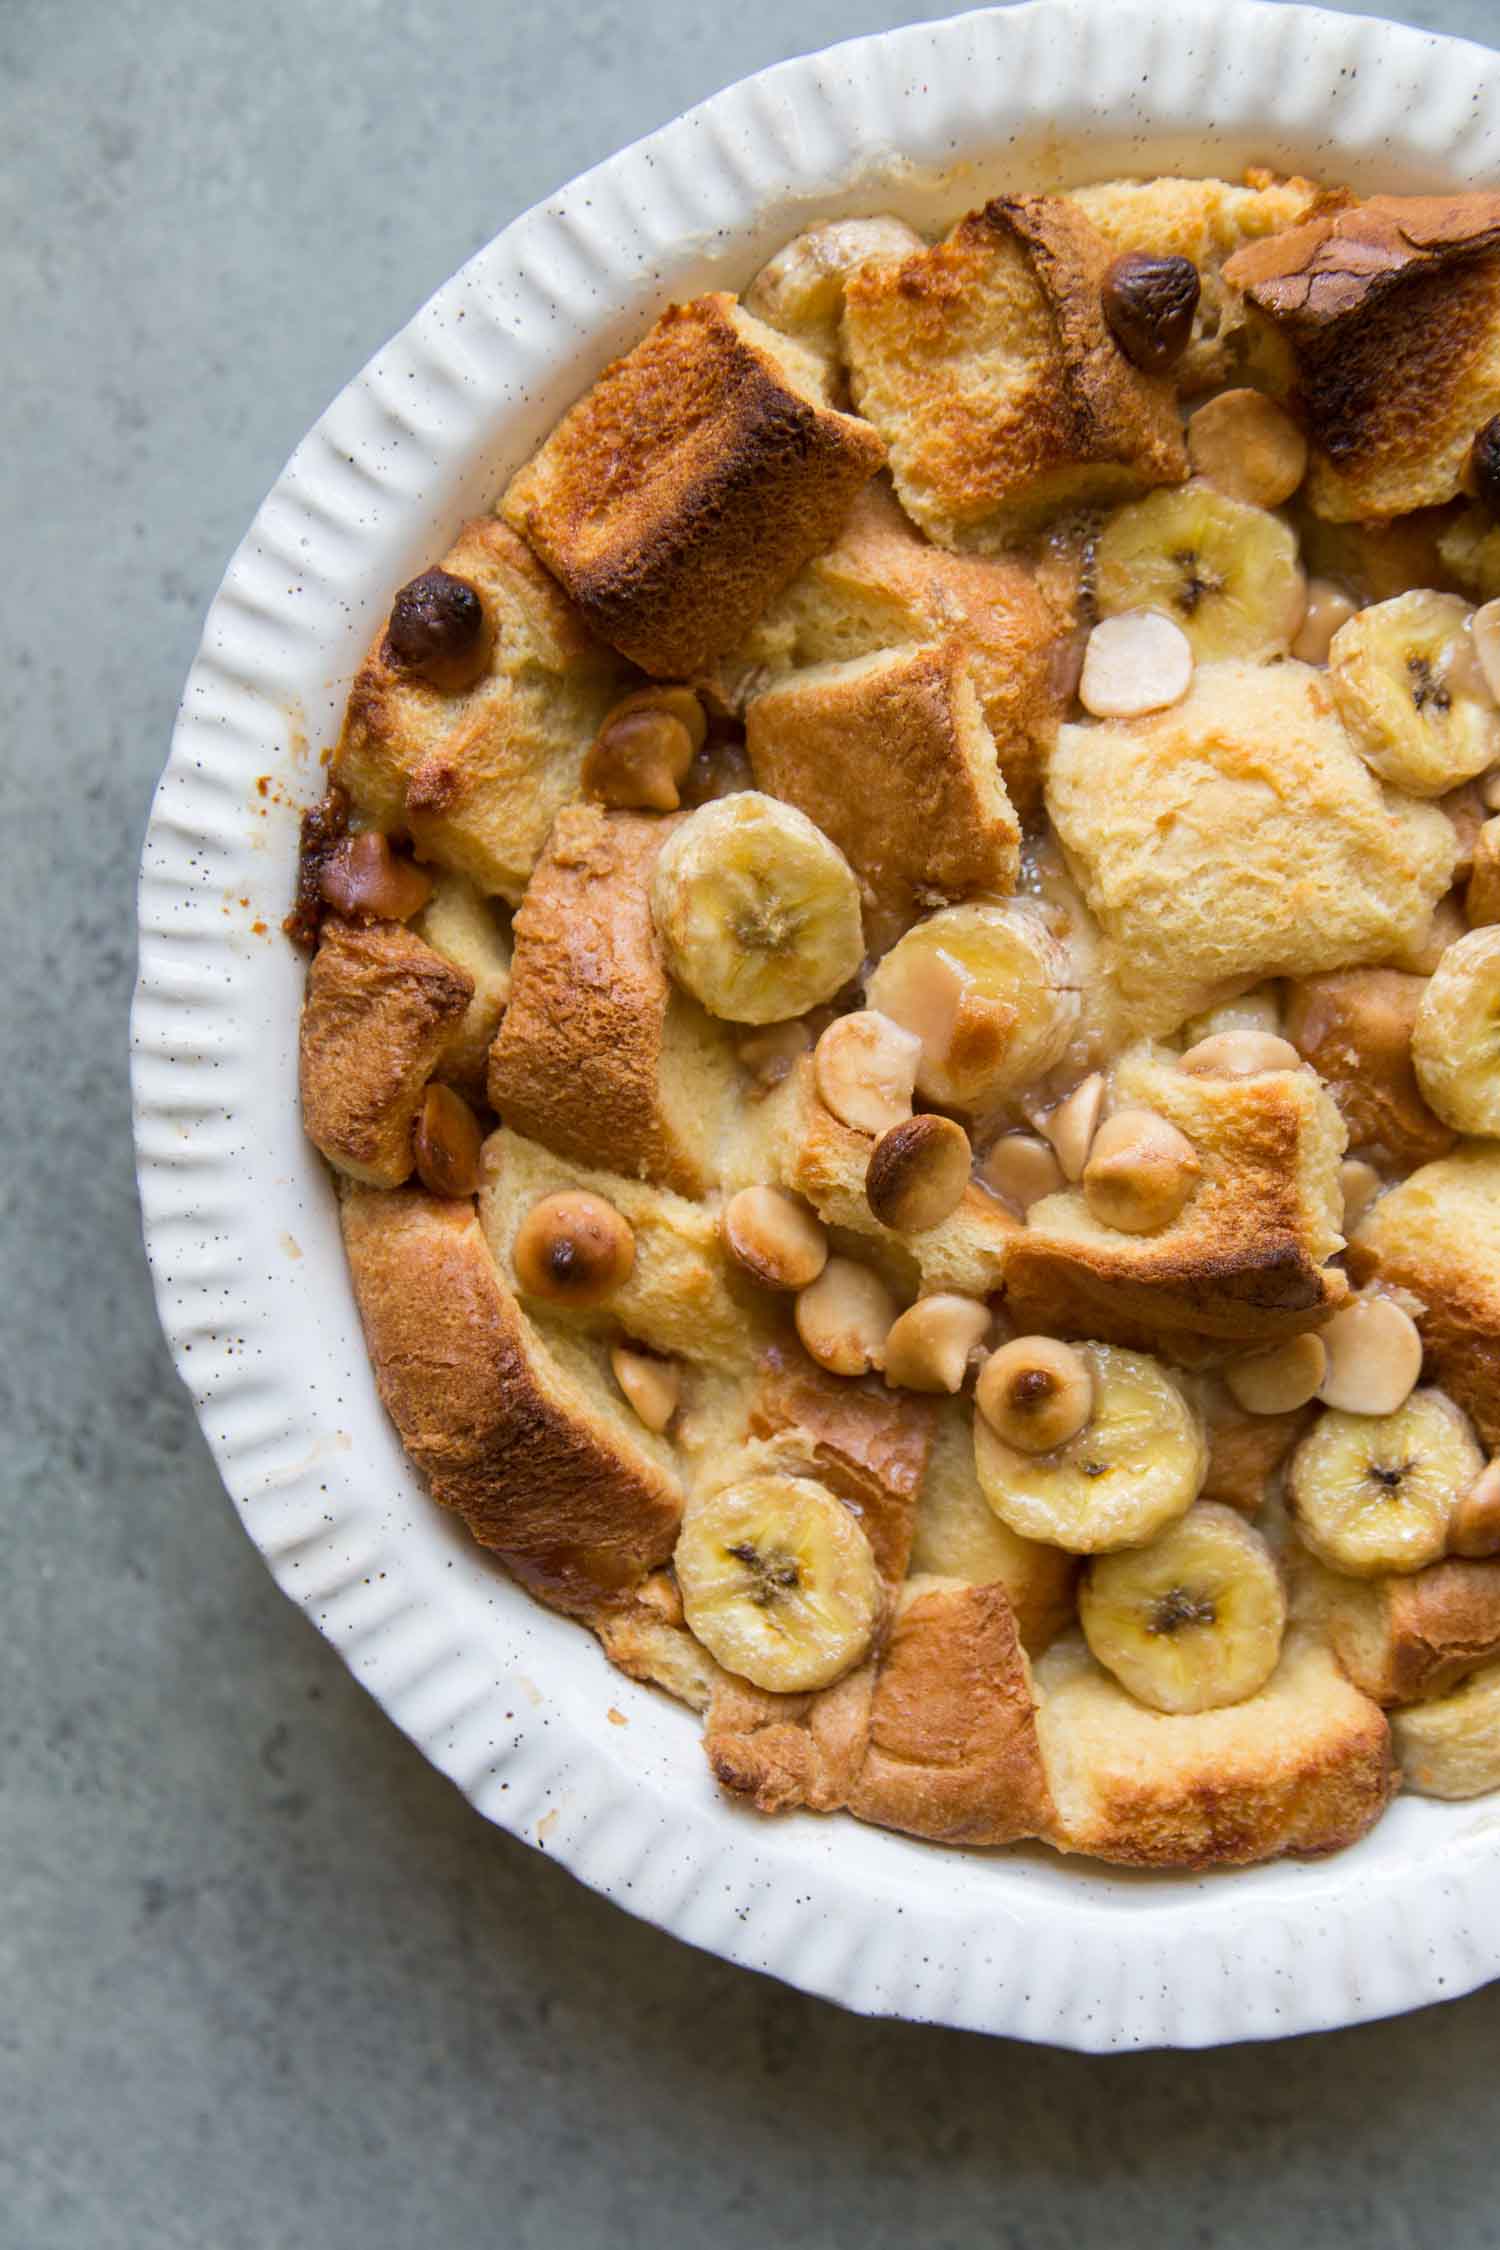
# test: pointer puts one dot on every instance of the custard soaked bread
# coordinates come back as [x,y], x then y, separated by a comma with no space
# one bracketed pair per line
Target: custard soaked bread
[948,1024]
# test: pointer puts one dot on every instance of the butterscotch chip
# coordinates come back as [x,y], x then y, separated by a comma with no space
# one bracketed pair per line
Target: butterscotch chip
[1072,1125]
[1328,607]
[1035,1393]
[445,1143]
[1280,1381]
[1374,1357]
[573,1249]
[918,1173]
[1021,1169]
[1140,1172]
[1136,662]
[774,1237]
[865,1067]
[1240,1054]
[929,1347]
[653,1386]
[1249,447]
[844,1318]
[1360,1183]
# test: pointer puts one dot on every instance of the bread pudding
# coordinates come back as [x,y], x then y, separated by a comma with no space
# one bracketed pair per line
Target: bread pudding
[904,1002]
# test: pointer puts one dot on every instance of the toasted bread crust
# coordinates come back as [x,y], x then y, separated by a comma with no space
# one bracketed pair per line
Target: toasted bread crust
[689,484]
[1392,310]
[1403,1639]
[882,585]
[1245,1260]
[1438,1235]
[1304,1767]
[890,756]
[938,1739]
[574,1507]
[474,776]
[1354,1027]
[867,1444]
[986,364]
[598,1054]
[378,1010]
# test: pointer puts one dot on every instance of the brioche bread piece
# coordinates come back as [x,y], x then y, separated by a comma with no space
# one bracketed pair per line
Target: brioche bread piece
[801,289]
[684,1295]
[987,366]
[377,1013]
[466,928]
[1391,311]
[794,1140]
[958,1536]
[1245,1260]
[600,1054]
[1438,1235]
[891,757]
[690,483]
[474,777]
[1304,1766]
[1207,221]
[881,585]
[525,1437]
[1354,1027]
[648,1639]
[1246,1452]
[1377,561]
[1451,1746]
[936,1738]
[1403,1639]
[1238,835]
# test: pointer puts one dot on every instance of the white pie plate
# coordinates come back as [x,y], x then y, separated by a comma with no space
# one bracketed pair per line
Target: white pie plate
[519,1707]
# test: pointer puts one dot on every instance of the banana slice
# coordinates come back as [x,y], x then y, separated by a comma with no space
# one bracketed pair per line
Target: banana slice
[1410,691]
[989,991]
[1451,1746]
[757,912]
[1192,1622]
[778,1582]
[1137,1463]
[1455,1040]
[1228,573]
[1372,1493]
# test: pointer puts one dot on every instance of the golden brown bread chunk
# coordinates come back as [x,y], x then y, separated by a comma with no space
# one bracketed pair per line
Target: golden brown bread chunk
[1304,1766]
[600,1054]
[1403,1639]
[474,777]
[794,1140]
[882,585]
[467,929]
[1246,1258]
[867,1445]
[1207,221]
[684,1296]
[1238,835]
[1391,311]
[1450,1747]
[1377,561]
[690,483]
[937,1737]
[987,366]
[1354,1027]
[647,1638]
[1438,1235]
[378,1011]
[890,756]
[957,1535]
[1246,1451]
[525,1443]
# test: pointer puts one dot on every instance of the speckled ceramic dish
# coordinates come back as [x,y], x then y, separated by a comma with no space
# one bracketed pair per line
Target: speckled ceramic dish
[517,1705]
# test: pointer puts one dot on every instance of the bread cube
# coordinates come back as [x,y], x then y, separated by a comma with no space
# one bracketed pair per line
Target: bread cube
[1438,1235]
[377,1014]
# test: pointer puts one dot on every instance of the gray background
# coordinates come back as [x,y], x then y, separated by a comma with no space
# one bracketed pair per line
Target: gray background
[266,1980]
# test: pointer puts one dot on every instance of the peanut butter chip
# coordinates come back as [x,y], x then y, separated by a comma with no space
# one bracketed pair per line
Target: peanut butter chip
[865,1069]
[1280,1381]
[1249,447]
[1136,662]
[1328,607]
[1035,1393]
[930,1346]
[774,1237]
[1374,1357]
[1240,1054]
[1360,1183]
[653,1386]
[1072,1125]
[1475,1529]
[1021,1169]
[1140,1172]
[844,1318]
[918,1172]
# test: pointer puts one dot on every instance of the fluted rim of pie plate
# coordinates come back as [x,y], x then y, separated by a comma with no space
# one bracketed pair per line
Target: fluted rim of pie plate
[518,1706]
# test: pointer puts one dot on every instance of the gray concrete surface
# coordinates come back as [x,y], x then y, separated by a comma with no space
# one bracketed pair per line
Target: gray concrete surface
[264,1979]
